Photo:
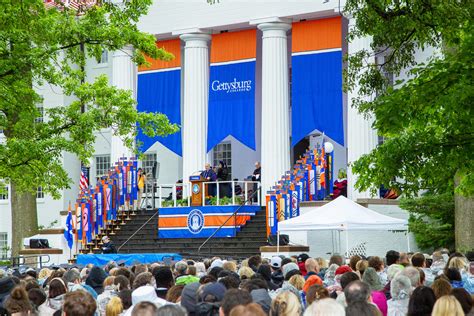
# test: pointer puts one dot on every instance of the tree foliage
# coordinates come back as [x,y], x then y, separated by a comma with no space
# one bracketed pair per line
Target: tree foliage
[44,47]
[431,220]
[427,121]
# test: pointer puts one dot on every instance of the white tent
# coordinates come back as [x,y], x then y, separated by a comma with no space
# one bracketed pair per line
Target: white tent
[342,214]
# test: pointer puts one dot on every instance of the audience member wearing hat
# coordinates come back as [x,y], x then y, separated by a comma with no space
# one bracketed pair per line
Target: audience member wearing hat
[189,297]
[312,280]
[301,263]
[290,269]
[343,269]
[145,293]
[277,274]
[209,299]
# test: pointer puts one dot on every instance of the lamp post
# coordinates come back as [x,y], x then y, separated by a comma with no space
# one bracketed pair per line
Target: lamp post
[328,149]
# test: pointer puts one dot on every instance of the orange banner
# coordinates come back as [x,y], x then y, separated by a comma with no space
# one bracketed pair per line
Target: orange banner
[317,35]
[171,46]
[234,46]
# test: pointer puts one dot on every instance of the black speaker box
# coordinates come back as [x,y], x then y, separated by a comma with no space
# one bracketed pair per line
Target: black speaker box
[284,240]
[39,243]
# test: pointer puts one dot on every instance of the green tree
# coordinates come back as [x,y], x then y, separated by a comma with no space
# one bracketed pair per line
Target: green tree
[427,121]
[42,46]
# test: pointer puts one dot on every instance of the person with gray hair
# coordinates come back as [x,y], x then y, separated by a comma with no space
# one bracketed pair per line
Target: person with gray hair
[413,274]
[72,278]
[325,306]
[182,278]
[400,289]
[357,291]
[180,268]
[171,310]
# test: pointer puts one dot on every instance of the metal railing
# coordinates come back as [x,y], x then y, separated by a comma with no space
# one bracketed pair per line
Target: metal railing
[162,192]
[173,189]
[25,260]
[233,215]
[219,184]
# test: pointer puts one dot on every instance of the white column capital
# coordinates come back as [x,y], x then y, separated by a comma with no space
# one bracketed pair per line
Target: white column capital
[196,40]
[274,29]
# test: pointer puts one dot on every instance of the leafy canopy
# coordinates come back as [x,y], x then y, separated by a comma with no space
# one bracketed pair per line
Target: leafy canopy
[426,121]
[44,47]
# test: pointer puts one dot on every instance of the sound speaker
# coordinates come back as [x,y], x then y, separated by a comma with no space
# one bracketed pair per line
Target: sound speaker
[284,240]
[39,243]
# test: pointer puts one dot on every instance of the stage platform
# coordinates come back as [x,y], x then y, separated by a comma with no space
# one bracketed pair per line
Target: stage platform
[127,259]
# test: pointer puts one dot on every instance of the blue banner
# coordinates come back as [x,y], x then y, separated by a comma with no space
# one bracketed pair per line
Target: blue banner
[317,95]
[232,103]
[159,92]
[128,259]
[202,221]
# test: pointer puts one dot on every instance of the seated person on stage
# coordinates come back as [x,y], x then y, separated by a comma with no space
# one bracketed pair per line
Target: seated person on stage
[108,246]
[340,185]
[237,188]
[210,175]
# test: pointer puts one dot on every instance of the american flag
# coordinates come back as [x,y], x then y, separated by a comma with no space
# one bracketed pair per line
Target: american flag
[84,181]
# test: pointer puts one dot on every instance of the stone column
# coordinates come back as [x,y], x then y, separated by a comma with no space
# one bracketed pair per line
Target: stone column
[275,141]
[196,96]
[124,73]
[361,137]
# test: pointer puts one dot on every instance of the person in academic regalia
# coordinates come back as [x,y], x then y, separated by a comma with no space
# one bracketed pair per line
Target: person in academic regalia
[256,177]
[209,175]
[108,246]
[340,185]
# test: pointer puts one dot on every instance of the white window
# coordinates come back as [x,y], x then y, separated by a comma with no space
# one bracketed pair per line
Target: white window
[40,117]
[40,193]
[223,151]
[104,58]
[102,165]
[148,162]
[3,245]
[4,192]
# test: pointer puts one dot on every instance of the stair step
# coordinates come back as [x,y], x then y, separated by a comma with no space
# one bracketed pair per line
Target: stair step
[246,243]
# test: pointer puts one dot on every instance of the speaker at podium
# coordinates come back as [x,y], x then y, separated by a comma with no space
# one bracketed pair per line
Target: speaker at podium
[197,185]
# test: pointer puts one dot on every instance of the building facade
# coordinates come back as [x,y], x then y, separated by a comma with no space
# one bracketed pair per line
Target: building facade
[271,38]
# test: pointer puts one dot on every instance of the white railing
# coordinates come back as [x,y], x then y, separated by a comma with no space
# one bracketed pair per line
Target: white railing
[172,188]
[247,185]
[163,192]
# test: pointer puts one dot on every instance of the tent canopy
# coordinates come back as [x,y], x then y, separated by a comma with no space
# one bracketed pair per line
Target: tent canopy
[342,214]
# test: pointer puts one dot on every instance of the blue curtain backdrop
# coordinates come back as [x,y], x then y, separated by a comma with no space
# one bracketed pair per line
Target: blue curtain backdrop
[317,95]
[160,92]
[232,103]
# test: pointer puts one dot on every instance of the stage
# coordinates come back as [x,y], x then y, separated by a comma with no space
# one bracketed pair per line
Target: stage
[202,221]
[127,259]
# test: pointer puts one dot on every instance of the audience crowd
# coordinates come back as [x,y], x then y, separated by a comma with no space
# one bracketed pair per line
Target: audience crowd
[399,284]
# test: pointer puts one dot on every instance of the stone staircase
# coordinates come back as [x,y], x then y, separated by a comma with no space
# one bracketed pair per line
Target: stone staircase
[247,242]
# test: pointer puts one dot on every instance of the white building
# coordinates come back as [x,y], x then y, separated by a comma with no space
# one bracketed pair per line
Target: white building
[195,24]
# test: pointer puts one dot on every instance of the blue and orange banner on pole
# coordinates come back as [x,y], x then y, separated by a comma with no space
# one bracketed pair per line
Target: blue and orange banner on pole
[305,182]
[96,206]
